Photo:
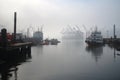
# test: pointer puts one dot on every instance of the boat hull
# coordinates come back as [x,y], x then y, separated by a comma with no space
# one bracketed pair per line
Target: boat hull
[94,43]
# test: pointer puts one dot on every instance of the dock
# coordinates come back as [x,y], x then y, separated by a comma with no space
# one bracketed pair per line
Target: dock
[11,57]
[10,49]
[115,41]
[15,51]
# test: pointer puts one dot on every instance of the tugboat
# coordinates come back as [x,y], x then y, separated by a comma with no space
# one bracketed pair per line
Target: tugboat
[46,42]
[54,41]
[95,38]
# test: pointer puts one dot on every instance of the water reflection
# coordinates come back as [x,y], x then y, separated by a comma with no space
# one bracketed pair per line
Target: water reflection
[116,52]
[116,49]
[38,49]
[96,51]
[9,69]
[73,43]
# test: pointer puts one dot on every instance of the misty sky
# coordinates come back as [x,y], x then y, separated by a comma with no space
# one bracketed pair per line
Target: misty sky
[56,14]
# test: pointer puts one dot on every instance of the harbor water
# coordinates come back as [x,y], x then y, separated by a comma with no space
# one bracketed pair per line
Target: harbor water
[70,60]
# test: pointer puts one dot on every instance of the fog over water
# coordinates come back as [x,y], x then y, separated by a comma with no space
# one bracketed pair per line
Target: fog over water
[57,14]
[69,60]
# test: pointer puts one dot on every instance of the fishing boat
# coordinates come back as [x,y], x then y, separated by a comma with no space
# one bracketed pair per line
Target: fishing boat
[95,38]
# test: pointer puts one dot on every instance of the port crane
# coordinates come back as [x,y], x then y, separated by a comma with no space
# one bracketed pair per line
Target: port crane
[28,31]
[85,30]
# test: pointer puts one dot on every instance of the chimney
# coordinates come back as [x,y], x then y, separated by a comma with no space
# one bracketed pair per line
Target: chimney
[15,20]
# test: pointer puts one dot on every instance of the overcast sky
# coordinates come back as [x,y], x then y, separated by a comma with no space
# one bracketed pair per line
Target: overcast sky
[56,14]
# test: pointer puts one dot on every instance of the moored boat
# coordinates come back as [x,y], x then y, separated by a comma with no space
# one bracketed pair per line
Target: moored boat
[54,41]
[95,38]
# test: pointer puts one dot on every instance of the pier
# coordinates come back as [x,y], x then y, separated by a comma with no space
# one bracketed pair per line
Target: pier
[10,49]
[112,41]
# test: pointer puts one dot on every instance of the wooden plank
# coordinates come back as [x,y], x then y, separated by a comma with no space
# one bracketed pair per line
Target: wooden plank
[16,45]
[20,44]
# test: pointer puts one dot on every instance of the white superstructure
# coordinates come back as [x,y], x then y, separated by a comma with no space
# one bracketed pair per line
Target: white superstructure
[95,38]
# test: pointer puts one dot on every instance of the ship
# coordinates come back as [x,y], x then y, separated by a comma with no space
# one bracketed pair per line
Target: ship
[72,33]
[54,41]
[95,38]
[36,39]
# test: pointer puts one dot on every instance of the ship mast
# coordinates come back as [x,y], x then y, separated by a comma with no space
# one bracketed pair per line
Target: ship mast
[114,31]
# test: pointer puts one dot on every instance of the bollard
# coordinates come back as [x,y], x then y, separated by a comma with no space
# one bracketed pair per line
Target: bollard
[4,38]
[29,51]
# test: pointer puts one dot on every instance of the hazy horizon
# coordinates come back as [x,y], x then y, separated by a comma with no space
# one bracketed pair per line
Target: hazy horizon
[57,14]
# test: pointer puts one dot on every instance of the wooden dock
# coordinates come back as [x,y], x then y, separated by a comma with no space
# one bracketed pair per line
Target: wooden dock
[12,56]
[21,44]
[10,49]
[15,51]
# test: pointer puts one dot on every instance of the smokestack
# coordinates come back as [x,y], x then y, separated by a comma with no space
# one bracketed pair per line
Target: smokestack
[15,20]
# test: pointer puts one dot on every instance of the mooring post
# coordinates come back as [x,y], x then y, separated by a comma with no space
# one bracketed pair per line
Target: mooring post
[4,38]
[29,51]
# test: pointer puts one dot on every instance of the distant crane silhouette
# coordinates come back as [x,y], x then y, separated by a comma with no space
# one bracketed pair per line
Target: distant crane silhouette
[28,30]
[85,30]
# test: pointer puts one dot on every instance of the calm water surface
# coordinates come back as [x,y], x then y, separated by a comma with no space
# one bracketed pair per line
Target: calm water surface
[70,60]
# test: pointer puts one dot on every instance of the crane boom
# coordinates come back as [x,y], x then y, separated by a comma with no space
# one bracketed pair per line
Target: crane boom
[84,28]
